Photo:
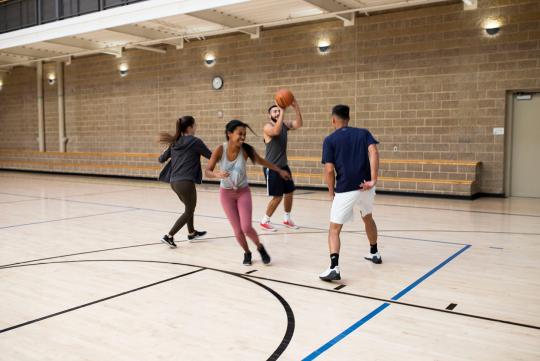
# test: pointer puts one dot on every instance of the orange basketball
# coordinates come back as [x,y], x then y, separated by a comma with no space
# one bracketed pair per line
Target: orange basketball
[284,98]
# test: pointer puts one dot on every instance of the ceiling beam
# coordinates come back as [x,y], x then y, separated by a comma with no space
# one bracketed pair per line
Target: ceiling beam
[332,6]
[140,31]
[147,48]
[29,52]
[7,60]
[228,21]
[78,43]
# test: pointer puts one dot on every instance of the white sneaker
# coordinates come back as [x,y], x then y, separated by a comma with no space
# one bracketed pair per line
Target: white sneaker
[374,257]
[268,227]
[331,274]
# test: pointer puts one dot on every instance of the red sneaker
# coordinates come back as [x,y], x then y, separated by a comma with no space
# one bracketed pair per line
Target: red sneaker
[290,224]
[268,227]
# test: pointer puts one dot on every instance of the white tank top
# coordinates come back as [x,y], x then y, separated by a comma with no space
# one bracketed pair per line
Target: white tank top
[236,168]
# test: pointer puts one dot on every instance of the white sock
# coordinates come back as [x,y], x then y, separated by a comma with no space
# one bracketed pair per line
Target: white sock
[265,219]
[287,216]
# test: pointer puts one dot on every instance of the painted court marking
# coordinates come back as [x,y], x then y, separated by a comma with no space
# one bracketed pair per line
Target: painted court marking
[381,308]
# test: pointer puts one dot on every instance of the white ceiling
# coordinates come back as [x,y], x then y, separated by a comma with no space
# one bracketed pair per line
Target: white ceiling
[150,23]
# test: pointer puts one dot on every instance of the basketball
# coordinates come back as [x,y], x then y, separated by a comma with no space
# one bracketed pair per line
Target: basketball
[284,98]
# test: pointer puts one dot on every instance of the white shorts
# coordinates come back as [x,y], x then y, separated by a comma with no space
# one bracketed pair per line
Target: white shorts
[343,205]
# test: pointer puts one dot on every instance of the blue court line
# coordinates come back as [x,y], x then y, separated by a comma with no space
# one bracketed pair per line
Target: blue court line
[382,307]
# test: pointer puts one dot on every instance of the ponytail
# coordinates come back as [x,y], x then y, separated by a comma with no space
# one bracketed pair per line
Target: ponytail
[182,124]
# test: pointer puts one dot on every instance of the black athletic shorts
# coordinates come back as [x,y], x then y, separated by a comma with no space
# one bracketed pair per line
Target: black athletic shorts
[275,185]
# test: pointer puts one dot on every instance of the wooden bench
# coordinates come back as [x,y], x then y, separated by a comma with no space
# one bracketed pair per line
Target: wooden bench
[449,177]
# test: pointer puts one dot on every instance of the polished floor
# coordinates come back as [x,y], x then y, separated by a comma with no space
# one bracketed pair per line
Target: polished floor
[84,277]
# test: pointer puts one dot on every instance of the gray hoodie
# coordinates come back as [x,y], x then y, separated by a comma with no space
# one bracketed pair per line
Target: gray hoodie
[185,157]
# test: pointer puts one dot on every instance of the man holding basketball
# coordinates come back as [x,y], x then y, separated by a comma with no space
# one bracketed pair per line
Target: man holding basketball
[275,140]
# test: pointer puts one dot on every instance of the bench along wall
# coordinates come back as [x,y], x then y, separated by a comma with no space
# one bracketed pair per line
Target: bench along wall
[428,82]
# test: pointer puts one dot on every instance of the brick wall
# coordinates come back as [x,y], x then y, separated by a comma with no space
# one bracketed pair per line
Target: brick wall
[427,81]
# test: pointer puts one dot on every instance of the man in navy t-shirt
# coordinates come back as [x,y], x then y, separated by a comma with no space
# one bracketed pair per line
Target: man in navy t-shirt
[351,166]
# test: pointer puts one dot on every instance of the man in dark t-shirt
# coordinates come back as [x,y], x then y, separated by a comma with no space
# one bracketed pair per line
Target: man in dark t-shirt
[351,165]
[275,134]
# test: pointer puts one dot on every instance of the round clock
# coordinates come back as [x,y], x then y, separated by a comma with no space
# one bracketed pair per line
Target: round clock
[217,82]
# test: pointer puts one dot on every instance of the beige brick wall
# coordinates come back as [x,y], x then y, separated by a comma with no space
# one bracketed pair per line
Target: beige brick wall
[427,80]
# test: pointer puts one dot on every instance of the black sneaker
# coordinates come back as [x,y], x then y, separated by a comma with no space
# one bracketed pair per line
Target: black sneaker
[264,255]
[196,235]
[168,240]
[247,259]
[374,257]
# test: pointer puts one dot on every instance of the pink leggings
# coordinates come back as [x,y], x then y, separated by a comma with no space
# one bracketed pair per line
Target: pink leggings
[237,207]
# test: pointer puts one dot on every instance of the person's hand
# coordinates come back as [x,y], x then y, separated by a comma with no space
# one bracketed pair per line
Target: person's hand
[367,185]
[284,174]
[332,195]
[294,104]
[221,174]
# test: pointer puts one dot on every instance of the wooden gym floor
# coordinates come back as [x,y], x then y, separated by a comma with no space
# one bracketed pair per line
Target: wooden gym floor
[84,277]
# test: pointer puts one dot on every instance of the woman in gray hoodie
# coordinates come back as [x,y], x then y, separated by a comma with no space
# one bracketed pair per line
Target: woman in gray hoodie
[185,151]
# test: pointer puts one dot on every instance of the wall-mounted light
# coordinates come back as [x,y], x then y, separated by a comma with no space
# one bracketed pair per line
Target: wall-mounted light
[323,46]
[209,59]
[51,78]
[123,69]
[492,26]
[1,84]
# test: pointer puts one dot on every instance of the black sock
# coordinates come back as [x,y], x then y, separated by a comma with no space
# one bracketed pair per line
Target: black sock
[334,259]
[373,249]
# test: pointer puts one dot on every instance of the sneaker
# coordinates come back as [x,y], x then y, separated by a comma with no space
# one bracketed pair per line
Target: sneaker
[290,224]
[196,235]
[247,259]
[374,257]
[264,255]
[268,227]
[169,241]
[331,274]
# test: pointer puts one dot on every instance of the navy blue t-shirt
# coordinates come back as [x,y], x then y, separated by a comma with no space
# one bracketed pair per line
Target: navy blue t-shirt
[347,149]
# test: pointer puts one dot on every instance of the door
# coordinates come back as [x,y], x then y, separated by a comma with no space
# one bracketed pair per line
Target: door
[525,163]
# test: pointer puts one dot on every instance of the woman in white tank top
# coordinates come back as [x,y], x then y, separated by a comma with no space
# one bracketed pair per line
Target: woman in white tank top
[234,190]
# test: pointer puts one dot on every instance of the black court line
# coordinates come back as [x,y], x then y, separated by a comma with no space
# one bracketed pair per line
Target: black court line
[253,270]
[459,210]
[289,331]
[339,287]
[97,301]
[303,193]
[19,201]
[55,178]
[133,246]
[35,198]
[100,193]
[495,247]
[306,227]
[386,300]
[398,302]
[410,238]
[451,306]
[459,231]
[255,222]
[66,219]
[328,201]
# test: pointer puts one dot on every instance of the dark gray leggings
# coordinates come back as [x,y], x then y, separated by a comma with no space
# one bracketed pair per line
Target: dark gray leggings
[185,190]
